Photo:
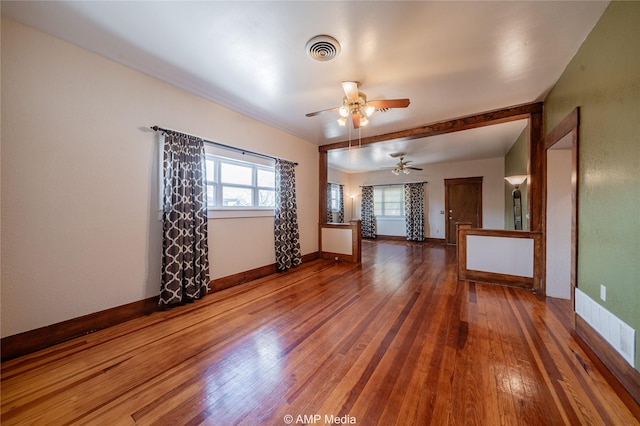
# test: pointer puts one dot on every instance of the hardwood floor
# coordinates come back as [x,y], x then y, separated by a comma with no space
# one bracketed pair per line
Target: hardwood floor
[396,340]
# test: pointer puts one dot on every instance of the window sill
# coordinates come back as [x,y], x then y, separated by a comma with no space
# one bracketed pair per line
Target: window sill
[391,218]
[233,213]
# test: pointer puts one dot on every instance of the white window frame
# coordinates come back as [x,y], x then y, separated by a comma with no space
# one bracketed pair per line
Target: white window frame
[219,212]
[335,190]
[216,182]
[380,207]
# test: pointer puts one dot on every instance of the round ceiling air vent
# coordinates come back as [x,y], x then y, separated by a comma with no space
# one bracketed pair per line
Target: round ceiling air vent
[323,48]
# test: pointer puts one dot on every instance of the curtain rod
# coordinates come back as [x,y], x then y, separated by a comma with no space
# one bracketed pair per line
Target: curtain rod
[392,184]
[221,145]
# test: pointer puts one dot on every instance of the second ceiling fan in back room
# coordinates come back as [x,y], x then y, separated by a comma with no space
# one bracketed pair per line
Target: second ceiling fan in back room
[356,106]
[402,166]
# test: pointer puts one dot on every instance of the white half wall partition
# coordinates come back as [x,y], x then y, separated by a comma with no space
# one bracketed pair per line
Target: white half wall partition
[337,240]
[341,241]
[499,256]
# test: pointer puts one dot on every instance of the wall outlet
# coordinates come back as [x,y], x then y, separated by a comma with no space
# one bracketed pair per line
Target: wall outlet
[603,292]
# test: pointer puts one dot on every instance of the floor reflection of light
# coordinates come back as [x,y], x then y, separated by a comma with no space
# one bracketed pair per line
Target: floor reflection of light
[513,382]
[268,347]
[246,372]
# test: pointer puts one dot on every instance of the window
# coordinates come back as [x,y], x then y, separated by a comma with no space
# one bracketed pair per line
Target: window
[388,201]
[335,197]
[239,184]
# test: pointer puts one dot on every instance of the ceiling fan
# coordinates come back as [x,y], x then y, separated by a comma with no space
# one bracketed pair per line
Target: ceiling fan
[402,166]
[355,104]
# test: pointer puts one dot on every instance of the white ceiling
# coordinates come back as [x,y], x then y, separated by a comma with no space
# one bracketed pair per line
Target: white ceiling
[450,58]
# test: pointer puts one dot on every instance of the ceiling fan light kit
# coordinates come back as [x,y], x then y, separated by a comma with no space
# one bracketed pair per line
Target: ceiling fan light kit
[355,104]
[369,110]
[402,166]
[398,170]
[356,107]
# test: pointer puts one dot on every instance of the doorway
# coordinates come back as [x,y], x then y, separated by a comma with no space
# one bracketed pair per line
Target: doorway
[561,208]
[558,220]
[462,203]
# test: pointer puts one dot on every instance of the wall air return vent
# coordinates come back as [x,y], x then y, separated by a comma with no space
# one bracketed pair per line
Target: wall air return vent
[323,48]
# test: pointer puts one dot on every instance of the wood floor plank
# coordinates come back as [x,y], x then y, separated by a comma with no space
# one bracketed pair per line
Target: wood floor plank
[395,340]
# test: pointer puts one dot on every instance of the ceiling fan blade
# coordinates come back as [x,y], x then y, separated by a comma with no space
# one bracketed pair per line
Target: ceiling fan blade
[351,89]
[313,114]
[413,168]
[389,103]
[356,120]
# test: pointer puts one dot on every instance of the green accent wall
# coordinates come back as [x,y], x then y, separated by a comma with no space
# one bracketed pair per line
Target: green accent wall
[603,79]
[515,163]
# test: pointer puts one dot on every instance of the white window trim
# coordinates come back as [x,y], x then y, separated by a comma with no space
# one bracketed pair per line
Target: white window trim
[216,181]
[218,212]
[337,186]
[231,213]
[392,217]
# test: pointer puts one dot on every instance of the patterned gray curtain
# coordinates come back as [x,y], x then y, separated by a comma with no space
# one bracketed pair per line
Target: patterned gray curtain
[329,212]
[414,211]
[368,215]
[341,205]
[286,233]
[185,253]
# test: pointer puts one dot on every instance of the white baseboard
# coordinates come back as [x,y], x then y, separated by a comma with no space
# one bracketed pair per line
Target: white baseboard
[619,334]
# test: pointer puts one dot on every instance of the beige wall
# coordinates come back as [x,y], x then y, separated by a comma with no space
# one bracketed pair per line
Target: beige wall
[80,228]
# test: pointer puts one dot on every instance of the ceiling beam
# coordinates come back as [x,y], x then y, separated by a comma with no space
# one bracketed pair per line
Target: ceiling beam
[488,118]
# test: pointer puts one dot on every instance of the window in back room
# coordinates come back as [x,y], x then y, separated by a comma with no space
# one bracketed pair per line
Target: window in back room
[388,201]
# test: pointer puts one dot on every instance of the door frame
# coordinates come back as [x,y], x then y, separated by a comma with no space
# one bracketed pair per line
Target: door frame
[461,181]
[569,125]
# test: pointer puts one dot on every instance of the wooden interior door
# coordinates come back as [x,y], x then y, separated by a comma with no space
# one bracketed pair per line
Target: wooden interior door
[463,203]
